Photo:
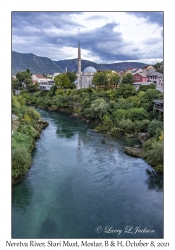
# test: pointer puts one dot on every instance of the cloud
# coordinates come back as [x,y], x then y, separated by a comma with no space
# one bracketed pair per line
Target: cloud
[151,17]
[104,36]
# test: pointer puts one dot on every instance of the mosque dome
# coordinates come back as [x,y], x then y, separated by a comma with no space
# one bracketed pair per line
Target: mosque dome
[90,69]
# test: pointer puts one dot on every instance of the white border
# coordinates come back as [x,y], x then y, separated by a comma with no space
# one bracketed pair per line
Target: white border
[5,95]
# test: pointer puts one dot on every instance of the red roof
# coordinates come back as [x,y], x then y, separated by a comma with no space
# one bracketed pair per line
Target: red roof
[40,76]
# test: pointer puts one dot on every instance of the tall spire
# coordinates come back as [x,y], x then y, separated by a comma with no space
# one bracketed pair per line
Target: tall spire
[79,51]
[79,66]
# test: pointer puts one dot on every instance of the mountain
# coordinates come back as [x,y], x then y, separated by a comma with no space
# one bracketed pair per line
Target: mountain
[40,65]
[36,64]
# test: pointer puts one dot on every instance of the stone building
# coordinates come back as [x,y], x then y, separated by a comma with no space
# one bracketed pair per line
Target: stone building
[84,78]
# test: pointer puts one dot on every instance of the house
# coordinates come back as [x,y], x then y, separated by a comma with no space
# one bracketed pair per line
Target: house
[140,77]
[148,69]
[46,85]
[137,70]
[156,77]
[38,78]
[158,104]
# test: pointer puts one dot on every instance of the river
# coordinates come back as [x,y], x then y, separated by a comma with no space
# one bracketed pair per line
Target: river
[82,185]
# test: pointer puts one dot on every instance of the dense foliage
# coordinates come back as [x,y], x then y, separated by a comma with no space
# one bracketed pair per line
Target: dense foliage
[26,129]
[116,111]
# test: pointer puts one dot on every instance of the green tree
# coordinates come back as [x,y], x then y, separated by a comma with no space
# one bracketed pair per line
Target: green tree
[137,114]
[159,67]
[98,108]
[21,76]
[125,90]
[52,90]
[32,87]
[147,99]
[114,79]
[16,84]
[72,76]
[100,79]
[145,87]
[127,78]
[63,82]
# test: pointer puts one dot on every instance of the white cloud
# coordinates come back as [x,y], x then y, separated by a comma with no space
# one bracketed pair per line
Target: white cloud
[132,36]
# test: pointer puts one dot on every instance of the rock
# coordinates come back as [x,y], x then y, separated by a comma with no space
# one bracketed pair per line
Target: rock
[94,130]
[14,117]
[151,172]
[136,152]
[75,115]
[143,137]
[76,105]
[136,146]
[42,123]
[130,135]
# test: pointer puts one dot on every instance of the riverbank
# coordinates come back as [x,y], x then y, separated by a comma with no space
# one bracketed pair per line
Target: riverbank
[26,129]
[116,112]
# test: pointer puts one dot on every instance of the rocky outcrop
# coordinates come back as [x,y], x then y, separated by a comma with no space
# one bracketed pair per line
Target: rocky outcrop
[14,117]
[75,115]
[134,151]
[42,123]
[143,137]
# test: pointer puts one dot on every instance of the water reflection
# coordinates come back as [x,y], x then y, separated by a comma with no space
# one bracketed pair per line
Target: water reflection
[155,182]
[48,229]
[81,179]
[22,201]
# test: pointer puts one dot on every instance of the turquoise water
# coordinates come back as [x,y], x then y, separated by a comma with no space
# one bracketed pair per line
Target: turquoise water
[82,185]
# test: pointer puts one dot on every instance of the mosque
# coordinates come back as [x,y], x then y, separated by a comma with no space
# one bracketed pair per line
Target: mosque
[85,77]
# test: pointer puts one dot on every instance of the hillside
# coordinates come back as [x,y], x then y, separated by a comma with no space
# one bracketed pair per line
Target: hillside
[40,65]
[36,64]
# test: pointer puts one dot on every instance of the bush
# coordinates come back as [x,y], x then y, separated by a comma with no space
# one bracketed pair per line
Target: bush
[15,103]
[27,130]
[147,99]
[52,90]
[123,104]
[21,161]
[119,114]
[137,114]
[23,140]
[32,113]
[155,127]
[155,156]
[126,125]
[98,108]
[86,103]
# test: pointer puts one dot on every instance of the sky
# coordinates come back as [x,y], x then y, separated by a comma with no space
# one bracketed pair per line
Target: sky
[105,37]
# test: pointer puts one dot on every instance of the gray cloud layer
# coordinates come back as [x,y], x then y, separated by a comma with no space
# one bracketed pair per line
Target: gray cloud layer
[45,33]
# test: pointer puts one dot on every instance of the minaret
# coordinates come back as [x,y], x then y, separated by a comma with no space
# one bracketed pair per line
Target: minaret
[79,67]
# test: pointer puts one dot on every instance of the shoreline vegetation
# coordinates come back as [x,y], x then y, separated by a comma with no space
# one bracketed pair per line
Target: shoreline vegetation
[117,112]
[26,129]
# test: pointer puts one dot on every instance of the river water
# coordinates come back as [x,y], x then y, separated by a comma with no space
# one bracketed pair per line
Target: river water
[82,185]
